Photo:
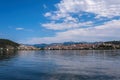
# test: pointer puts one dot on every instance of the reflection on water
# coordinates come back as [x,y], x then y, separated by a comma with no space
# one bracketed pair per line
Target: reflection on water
[7,54]
[60,65]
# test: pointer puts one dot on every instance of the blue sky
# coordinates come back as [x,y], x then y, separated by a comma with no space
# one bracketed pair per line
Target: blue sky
[49,21]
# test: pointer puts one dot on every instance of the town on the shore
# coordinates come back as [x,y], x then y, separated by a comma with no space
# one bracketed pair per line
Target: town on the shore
[109,45]
[85,46]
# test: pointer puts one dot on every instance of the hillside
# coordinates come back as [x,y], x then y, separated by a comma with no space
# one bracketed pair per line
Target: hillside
[113,42]
[5,43]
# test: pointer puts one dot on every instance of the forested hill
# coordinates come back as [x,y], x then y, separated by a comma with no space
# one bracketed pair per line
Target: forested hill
[5,43]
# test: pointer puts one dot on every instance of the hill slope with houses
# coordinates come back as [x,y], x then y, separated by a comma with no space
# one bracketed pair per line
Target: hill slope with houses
[6,44]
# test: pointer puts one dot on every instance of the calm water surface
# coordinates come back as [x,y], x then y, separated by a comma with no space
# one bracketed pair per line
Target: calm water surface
[60,65]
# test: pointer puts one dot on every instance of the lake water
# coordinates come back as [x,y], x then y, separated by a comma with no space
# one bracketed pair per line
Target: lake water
[60,65]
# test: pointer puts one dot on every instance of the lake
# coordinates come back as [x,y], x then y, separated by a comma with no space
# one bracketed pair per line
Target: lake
[60,65]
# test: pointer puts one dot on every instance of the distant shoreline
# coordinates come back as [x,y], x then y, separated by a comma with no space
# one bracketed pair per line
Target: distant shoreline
[56,49]
[7,45]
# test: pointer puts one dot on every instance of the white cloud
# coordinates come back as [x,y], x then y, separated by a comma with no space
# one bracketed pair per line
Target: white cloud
[102,8]
[107,31]
[48,14]
[67,17]
[19,28]
[67,8]
[23,29]
[65,25]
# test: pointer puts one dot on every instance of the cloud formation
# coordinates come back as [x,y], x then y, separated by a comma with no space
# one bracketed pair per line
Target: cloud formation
[19,28]
[67,19]
[64,16]
[65,25]
[107,31]
[23,29]
[102,8]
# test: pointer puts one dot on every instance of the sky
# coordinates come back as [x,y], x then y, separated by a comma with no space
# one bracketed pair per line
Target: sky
[56,21]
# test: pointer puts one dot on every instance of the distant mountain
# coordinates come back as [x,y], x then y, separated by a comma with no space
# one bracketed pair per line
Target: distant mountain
[40,45]
[71,43]
[5,43]
[56,44]
[80,45]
